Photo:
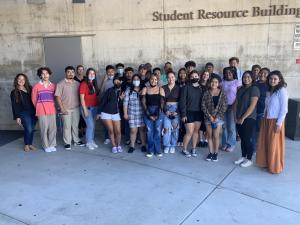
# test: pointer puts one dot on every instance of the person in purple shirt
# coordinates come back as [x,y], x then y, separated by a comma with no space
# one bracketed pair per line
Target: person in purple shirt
[230,86]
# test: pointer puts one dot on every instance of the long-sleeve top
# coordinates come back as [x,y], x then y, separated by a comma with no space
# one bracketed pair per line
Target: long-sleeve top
[277,105]
[109,101]
[208,106]
[24,103]
[190,99]
[43,99]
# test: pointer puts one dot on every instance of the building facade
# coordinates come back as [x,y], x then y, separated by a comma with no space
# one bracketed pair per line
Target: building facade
[100,32]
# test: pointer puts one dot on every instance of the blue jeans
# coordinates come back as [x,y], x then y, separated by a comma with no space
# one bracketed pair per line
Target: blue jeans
[153,131]
[229,129]
[90,124]
[171,135]
[28,120]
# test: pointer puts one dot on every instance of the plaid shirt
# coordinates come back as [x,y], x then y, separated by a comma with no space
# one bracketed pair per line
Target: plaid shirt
[208,106]
[134,107]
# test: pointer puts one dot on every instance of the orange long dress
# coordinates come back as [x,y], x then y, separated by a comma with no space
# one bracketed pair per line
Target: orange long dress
[271,146]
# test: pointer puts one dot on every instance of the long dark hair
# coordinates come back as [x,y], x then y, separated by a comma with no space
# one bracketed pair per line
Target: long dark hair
[132,86]
[251,75]
[216,77]
[281,83]
[178,75]
[93,86]
[201,77]
[26,85]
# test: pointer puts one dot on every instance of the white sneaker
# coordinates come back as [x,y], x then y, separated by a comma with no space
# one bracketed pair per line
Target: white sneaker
[149,155]
[166,150]
[106,141]
[239,161]
[246,163]
[172,150]
[48,150]
[90,146]
[95,145]
[53,149]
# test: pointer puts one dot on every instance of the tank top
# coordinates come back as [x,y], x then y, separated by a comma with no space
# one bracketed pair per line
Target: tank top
[153,99]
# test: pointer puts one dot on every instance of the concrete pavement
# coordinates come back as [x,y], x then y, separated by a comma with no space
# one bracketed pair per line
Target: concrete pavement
[82,187]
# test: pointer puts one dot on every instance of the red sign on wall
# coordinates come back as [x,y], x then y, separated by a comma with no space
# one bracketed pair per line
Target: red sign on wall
[297,61]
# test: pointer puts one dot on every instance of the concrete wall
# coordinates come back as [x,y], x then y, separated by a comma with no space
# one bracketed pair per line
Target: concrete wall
[124,31]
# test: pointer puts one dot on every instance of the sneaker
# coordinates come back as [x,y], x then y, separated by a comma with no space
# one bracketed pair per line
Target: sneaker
[114,150]
[149,155]
[95,145]
[159,155]
[215,157]
[79,143]
[209,157]
[68,147]
[106,141]
[205,144]
[90,146]
[131,150]
[193,151]
[224,148]
[127,142]
[246,163]
[172,150]
[53,149]
[139,142]
[143,149]
[166,150]
[120,149]
[186,153]
[229,149]
[239,161]
[48,150]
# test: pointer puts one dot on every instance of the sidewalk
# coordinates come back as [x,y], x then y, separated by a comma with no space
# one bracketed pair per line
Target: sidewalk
[82,187]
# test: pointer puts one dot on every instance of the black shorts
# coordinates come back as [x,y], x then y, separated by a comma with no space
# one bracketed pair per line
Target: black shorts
[194,116]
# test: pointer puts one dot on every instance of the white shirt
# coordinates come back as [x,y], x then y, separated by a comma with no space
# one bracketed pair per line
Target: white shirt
[277,105]
[239,74]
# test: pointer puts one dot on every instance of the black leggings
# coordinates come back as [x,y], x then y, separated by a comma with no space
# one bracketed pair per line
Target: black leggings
[246,131]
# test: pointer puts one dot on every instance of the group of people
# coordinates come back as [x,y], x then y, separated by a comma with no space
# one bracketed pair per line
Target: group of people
[160,109]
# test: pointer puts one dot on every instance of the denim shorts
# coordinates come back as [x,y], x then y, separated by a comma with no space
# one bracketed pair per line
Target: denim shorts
[218,122]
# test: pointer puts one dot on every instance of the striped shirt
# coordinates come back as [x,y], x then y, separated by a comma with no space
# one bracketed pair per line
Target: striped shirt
[43,99]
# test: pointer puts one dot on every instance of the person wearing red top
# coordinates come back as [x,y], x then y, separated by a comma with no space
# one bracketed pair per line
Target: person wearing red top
[88,98]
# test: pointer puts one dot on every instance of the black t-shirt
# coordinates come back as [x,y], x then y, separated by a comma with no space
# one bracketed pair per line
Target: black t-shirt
[244,96]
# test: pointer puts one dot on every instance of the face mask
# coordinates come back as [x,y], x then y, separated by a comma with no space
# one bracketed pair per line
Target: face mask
[195,80]
[120,71]
[136,83]
[110,77]
[91,77]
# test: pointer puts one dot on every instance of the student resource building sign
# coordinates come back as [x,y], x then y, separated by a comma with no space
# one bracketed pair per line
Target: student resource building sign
[202,14]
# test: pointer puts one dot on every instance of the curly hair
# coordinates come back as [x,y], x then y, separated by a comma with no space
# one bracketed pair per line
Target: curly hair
[27,86]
